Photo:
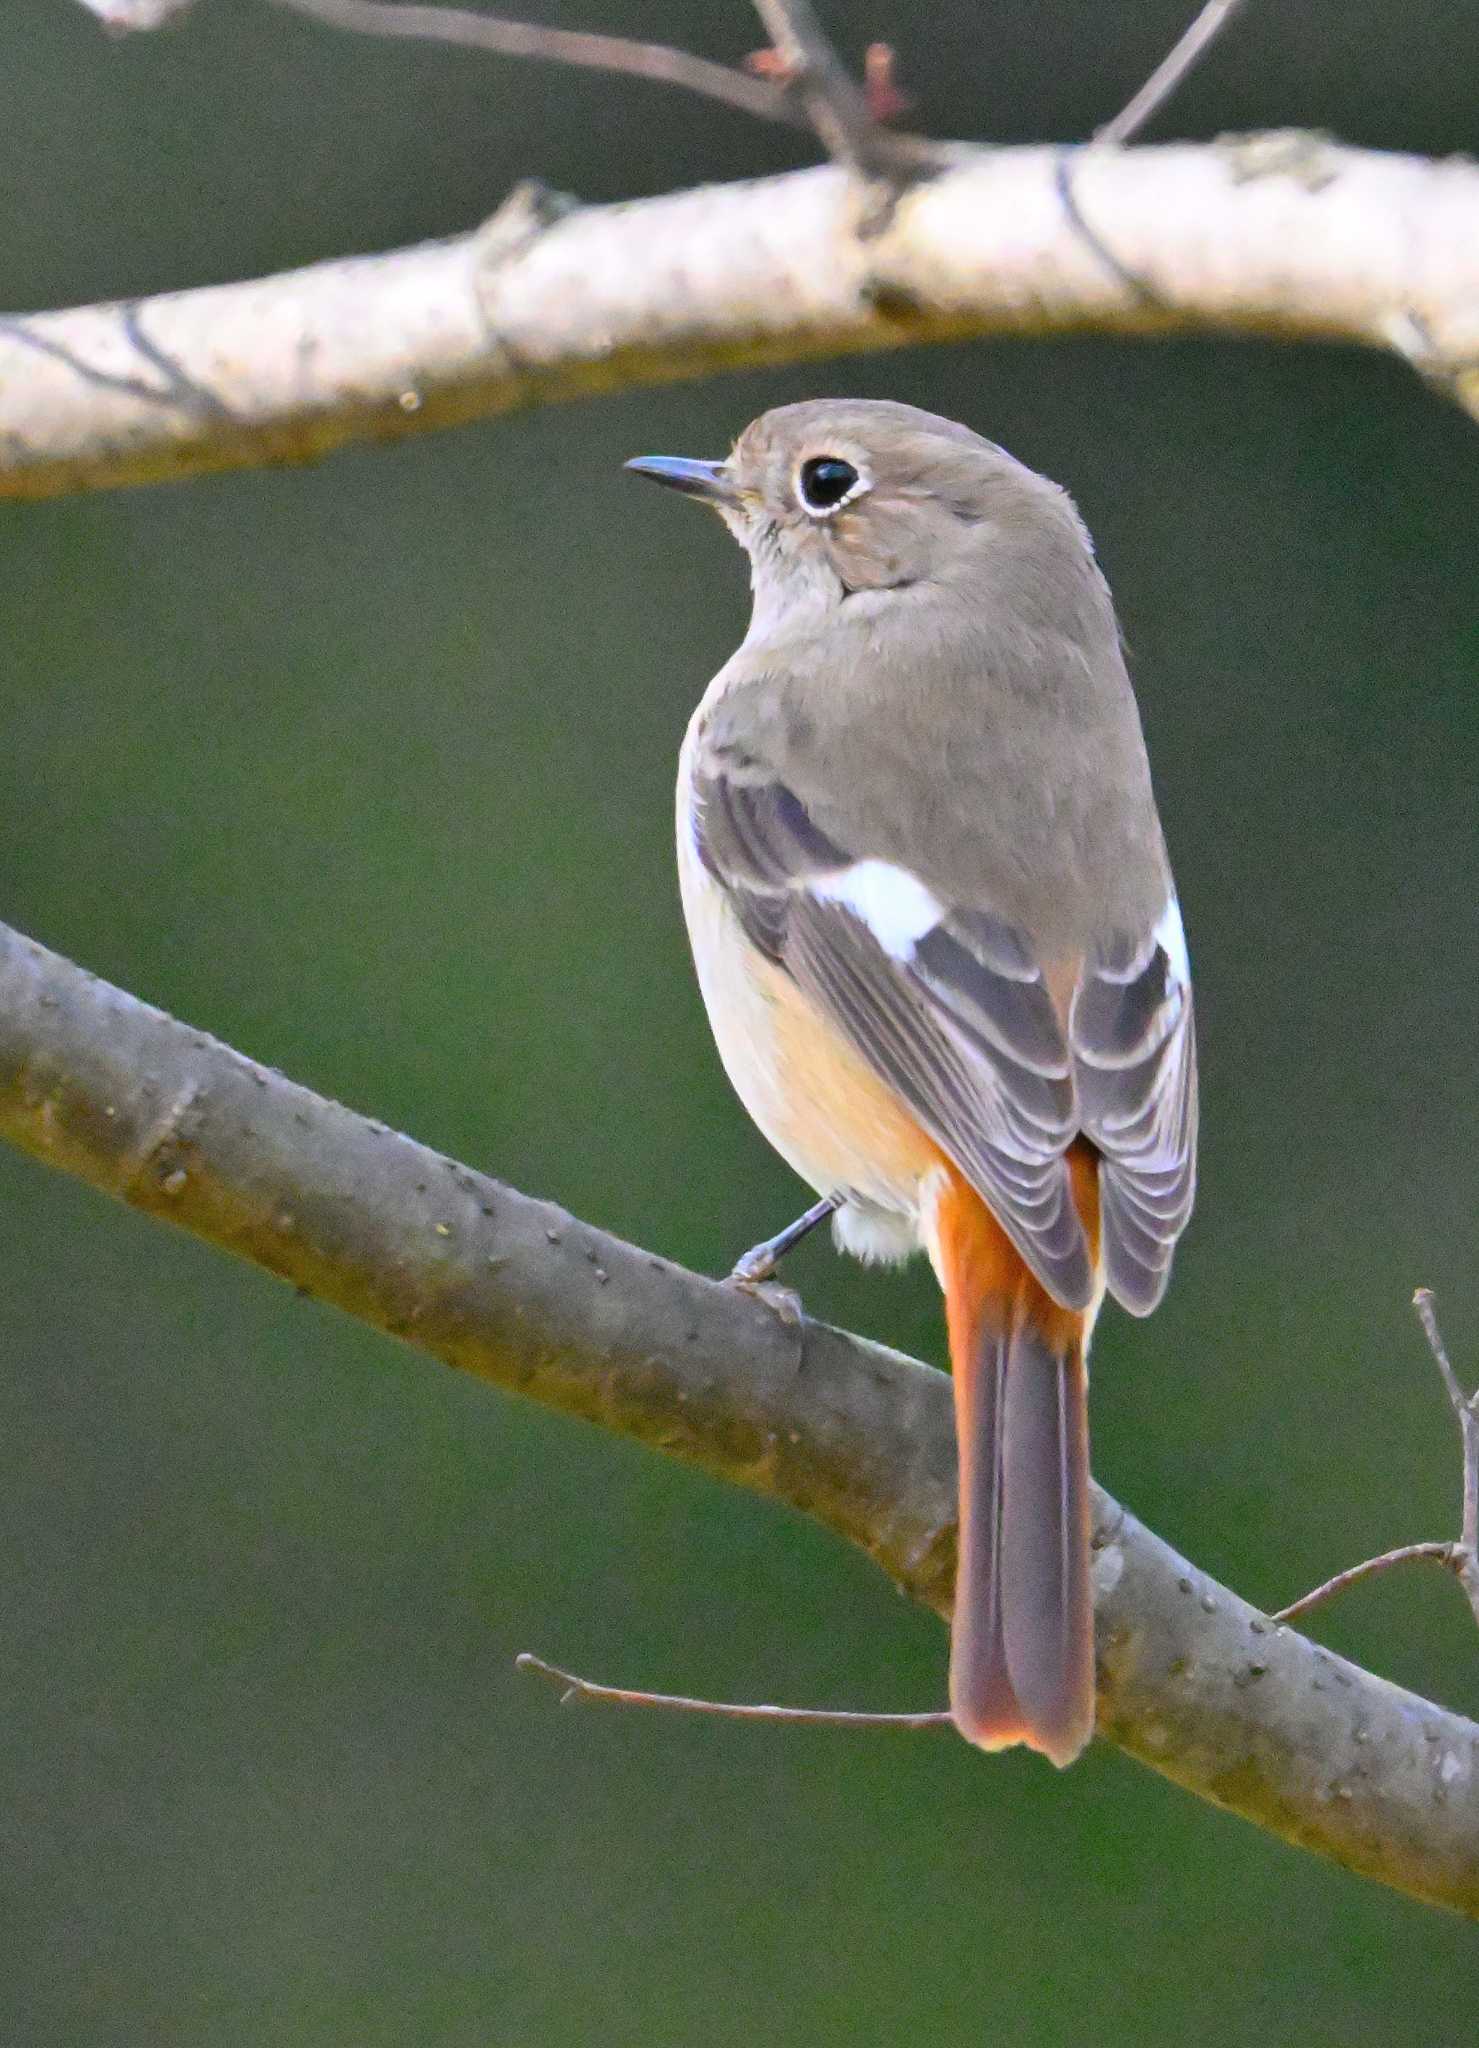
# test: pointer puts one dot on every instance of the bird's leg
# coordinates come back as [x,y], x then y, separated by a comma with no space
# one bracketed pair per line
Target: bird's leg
[760,1262]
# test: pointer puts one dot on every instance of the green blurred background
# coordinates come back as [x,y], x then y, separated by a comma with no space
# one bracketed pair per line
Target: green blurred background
[368,769]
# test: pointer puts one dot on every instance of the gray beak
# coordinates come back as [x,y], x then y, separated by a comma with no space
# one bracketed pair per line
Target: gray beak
[710,481]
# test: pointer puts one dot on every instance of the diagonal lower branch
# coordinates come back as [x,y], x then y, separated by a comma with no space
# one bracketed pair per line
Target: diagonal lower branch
[1193,1680]
[1283,235]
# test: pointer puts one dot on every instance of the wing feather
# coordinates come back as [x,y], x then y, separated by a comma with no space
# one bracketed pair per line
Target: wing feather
[957,1017]
[964,1100]
[1134,1054]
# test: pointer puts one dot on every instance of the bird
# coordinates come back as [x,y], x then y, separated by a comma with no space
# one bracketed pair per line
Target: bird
[937,936]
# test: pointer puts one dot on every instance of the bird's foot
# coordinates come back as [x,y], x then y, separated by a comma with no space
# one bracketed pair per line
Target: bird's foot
[759,1263]
[756,1271]
[785,1301]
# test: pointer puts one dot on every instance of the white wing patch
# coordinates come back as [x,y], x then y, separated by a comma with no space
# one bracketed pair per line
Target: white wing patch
[1170,936]
[894,905]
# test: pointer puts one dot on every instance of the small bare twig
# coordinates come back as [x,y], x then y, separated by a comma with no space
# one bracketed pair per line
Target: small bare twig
[1462,1557]
[1439,1553]
[728,1710]
[1466,1409]
[847,116]
[799,80]
[886,98]
[1169,73]
[656,62]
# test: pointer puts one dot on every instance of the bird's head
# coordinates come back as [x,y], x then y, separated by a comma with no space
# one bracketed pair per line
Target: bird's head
[839,499]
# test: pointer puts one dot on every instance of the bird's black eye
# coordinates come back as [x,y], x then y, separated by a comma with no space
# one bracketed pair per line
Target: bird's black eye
[825,481]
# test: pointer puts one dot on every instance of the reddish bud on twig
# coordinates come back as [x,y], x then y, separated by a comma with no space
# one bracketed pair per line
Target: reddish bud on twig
[886,98]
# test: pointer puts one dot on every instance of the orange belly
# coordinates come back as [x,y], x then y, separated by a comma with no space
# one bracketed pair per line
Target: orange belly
[817,1100]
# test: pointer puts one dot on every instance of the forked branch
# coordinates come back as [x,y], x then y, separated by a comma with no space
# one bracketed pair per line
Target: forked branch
[841,110]
[802,77]
[804,83]
[1460,1557]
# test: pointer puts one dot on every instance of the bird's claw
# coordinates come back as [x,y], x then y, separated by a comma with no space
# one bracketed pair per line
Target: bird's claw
[755,1268]
[784,1301]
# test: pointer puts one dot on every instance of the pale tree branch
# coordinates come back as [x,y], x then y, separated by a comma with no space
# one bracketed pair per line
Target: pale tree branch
[1282,234]
[1192,1680]
[1286,235]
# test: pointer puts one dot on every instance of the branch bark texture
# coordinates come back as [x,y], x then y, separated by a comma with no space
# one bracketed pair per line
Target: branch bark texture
[1284,234]
[1193,1680]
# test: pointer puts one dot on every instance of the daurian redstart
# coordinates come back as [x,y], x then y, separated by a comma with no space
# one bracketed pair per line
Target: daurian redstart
[936,931]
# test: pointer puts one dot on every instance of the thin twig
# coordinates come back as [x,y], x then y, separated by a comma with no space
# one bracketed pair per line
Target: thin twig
[1427,1314]
[839,108]
[886,98]
[800,80]
[1466,1409]
[1439,1553]
[1461,1558]
[1169,73]
[656,62]
[727,1710]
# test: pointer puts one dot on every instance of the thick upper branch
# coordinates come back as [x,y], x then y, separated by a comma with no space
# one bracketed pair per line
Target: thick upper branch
[1280,235]
[1192,1679]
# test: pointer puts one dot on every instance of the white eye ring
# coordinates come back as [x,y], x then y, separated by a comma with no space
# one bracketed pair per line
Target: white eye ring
[827,471]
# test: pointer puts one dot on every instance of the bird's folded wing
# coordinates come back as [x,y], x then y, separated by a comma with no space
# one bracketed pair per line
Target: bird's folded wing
[948,1005]
[1135,1069]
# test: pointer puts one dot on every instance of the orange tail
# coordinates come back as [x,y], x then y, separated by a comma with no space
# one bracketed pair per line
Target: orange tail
[1022,1642]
